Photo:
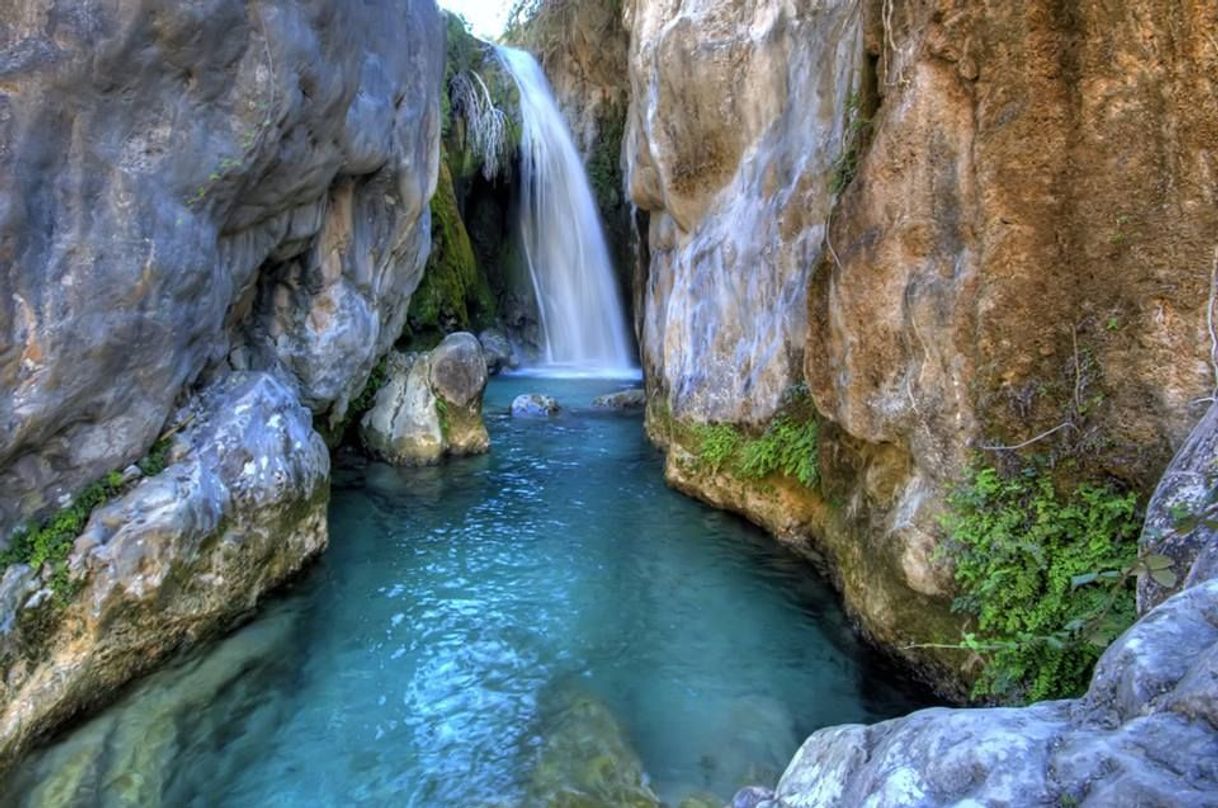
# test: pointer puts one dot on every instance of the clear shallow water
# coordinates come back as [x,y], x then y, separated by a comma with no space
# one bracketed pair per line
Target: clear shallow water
[433,656]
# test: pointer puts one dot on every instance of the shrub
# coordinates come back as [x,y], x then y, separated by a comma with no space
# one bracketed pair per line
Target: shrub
[1047,577]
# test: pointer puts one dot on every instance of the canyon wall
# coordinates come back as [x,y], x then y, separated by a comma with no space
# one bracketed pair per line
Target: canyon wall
[960,227]
[212,218]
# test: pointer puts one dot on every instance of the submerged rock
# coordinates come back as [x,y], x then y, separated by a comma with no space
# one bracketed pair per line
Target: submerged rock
[534,405]
[624,400]
[431,405]
[585,761]
[499,353]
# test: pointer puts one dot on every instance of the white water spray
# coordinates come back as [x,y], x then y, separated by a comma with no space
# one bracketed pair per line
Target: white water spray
[582,318]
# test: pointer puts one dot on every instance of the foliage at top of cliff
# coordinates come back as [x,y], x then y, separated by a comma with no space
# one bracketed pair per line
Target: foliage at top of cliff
[480,105]
[547,26]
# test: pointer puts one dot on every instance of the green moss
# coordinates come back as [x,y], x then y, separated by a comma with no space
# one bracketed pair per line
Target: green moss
[1045,575]
[157,459]
[50,541]
[453,295]
[858,129]
[605,162]
[442,415]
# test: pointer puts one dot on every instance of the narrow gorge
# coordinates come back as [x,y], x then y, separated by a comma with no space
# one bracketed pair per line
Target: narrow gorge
[638,403]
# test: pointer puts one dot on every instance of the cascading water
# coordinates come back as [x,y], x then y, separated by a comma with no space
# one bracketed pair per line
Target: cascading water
[582,319]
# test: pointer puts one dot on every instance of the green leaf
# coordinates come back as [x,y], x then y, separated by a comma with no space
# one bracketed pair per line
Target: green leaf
[1156,561]
[1083,580]
[1164,578]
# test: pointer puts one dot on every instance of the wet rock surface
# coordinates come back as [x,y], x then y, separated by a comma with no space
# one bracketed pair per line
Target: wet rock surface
[211,221]
[1145,733]
[499,353]
[625,400]
[880,206]
[534,405]
[585,760]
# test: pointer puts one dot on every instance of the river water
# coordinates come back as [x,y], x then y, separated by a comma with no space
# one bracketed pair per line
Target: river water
[481,632]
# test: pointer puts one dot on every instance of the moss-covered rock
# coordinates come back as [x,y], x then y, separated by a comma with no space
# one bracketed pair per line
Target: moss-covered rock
[585,759]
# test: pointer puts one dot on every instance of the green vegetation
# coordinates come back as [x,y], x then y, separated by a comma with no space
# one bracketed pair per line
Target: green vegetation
[443,416]
[854,140]
[453,294]
[50,541]
[376,380]
[717,444]
[473,74]
[1046,575]
[788,446]
[546,26]
[605,161]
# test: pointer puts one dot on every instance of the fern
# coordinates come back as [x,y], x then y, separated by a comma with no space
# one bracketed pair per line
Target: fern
[1044,575]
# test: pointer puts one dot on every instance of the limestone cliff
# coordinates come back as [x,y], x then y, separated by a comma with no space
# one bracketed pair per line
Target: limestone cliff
[963,227]
[212,218]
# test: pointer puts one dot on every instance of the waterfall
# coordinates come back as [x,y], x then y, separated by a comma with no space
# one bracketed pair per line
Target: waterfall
[582,318]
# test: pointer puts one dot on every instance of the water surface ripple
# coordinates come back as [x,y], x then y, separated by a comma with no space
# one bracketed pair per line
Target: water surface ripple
[418,663]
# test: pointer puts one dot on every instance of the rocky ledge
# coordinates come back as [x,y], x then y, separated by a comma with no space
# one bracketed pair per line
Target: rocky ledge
[240,507]
[1145,733]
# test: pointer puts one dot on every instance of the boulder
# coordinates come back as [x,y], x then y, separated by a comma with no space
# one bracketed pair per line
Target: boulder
[534,405]
[431,405]
[499,353]
[585,759]
[624,400]
[458,380]
[403,426]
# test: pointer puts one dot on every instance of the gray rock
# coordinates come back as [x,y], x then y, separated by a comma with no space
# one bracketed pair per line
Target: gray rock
[752,797]
[624,400]
[431,406]
[178,557]
[1182,515]
[534,405]
[403,426]
[185,188]
[498,351]
[458,371]
[230,199]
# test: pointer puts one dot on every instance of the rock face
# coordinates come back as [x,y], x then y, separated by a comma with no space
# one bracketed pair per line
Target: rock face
[241,507]
[499,353]
[211,220]
[186,189]
[431,405]
[952,223]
